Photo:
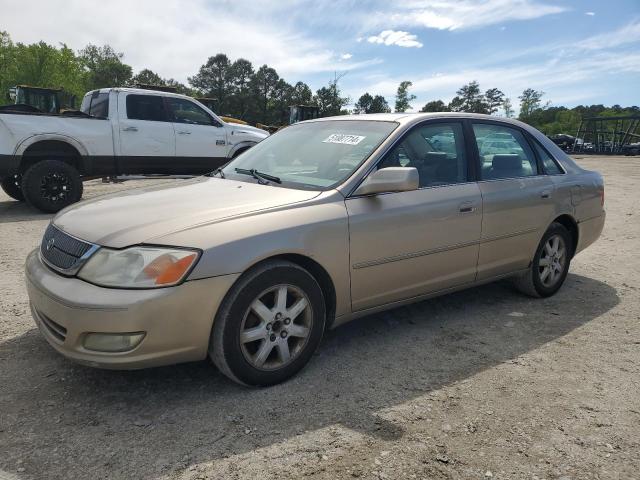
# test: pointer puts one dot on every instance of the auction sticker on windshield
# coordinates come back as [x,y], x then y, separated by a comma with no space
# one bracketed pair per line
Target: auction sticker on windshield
[344,139]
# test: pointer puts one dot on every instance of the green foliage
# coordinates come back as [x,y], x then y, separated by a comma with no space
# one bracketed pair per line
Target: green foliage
[469,99]
[435,106]
[103,67]
[530,101]
[369,104]
[403,99]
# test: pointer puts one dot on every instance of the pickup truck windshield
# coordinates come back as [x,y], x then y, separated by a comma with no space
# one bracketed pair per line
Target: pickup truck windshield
[317,155]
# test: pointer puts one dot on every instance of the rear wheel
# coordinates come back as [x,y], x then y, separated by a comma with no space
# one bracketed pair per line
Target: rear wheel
[51,185]
[269,324]
[11,186]
[550,264]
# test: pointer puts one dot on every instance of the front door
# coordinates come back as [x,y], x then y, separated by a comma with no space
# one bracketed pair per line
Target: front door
[201,142]
[518,199]
[147,141]
[406,244]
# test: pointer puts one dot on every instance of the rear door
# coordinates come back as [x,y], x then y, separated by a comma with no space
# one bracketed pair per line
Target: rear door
[201,142]
[517,198]
[147,139]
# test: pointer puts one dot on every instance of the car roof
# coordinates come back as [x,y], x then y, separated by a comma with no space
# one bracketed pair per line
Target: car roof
[410,118]
[141,91]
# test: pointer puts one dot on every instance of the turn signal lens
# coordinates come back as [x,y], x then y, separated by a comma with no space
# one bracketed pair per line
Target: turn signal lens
[167,269]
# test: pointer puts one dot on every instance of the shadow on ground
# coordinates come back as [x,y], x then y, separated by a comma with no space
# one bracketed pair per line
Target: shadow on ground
[75,422]
[14,211]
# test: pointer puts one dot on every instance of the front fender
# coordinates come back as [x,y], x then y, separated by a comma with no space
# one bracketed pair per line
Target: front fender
[240,146]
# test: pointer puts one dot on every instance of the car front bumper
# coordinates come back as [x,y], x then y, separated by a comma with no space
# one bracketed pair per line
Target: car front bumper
[176,321]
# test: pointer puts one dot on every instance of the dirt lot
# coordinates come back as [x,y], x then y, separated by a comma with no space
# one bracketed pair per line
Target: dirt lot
[480,384]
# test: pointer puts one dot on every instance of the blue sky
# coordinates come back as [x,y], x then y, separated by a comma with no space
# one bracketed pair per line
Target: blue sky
[578,52]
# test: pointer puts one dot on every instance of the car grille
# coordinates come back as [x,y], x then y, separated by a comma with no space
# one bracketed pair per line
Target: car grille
[56,330]
[62,251]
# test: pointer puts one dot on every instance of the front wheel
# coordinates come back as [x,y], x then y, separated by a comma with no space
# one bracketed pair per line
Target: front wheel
[269,325]
[11,186]
[51,185]
[550,264]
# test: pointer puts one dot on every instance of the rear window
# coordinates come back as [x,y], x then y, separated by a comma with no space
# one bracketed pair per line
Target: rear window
[96,105]
[146,107]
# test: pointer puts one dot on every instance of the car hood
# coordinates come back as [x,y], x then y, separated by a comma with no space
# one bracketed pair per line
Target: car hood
[144,214]
[237,128]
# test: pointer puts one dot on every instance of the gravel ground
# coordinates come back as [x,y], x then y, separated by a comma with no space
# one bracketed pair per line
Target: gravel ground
[478,384]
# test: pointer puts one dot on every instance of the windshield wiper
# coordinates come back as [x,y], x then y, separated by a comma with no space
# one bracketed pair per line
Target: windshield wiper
[258,175]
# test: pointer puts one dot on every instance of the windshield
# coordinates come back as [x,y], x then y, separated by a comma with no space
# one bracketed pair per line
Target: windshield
[315,155]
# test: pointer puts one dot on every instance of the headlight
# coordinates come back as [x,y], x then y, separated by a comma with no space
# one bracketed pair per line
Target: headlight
[138,267]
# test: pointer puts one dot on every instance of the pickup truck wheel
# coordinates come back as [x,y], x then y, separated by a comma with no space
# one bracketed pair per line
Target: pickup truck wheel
[268,325]
[51,185]
[11,186]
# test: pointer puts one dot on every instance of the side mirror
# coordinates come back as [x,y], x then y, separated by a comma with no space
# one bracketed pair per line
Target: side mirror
[390,179]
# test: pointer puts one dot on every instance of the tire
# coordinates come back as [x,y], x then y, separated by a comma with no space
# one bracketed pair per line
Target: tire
[548,271]
[51,185]
[248,342]
[11,186]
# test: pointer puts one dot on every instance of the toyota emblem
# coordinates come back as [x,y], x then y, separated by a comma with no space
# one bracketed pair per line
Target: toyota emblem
[50,243]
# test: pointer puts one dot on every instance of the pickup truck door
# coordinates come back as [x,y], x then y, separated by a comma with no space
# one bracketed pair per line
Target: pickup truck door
[201,141]
[146,136]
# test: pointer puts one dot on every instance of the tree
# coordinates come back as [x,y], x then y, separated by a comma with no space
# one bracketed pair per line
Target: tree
[435,106]
[368,104]
[530,100]
[301,94]
[507,108]
[103,67]
[263,86]
[494,98]
[379,105]
[240,75]
[363,105]
[148,77]
[213,79]
[330,100]
[403,98]
[469,99]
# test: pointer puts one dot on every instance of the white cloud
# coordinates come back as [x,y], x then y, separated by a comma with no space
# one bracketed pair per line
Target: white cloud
[462,14]
[174,39]
[393,37]
[563,81]
[629,33]
[591,14]
[346,56]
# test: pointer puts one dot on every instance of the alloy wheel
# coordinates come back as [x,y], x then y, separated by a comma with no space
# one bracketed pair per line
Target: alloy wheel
[553,259]
[276,327]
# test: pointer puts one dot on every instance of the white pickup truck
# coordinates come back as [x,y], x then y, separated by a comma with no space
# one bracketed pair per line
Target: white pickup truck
[45,157]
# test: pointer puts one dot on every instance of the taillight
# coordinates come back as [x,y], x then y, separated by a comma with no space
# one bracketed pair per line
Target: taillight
[602,197]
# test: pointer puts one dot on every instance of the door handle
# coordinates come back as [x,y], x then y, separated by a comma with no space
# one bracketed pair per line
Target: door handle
[184,133]
[545,194]
[130,129]
[467,207]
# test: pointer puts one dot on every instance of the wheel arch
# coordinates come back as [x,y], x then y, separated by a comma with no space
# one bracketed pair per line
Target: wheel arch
[51,147]
[240,147]
[568,222]
[317,271]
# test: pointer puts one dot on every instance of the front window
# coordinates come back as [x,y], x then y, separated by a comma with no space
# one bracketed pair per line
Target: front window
[184,111]
[316,155]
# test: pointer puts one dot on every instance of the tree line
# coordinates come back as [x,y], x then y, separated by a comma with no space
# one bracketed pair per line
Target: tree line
[259,94]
